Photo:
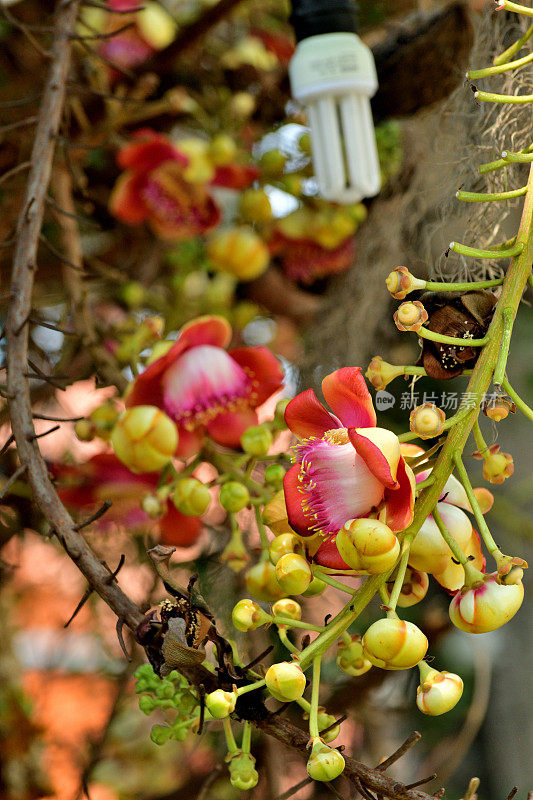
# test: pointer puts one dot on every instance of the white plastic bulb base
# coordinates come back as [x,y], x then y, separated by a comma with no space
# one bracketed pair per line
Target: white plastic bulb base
[334,76]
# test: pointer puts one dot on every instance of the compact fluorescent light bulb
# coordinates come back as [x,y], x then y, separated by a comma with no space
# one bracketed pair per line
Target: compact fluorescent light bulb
[333,75]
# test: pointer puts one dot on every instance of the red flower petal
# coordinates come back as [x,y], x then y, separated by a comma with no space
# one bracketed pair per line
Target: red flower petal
[228,427]
[400,502]
[235,176]
[147,151]
[328,555]
[177,529]
[147,387]
[263,367]
[125,202]
[347,395]
[380,450]
[293,500]
[306,416]
[189,442]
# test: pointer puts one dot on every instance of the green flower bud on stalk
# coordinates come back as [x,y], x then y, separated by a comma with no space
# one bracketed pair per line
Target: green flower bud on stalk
[325,763]
[132,294]
[324,721]
[262,583]
[256,440]
[84,430]
[274,475]
[220,703]
[287,607]
[283,544]
[293,573]
[191,497]
[247,615]
[279,414]
[160,734]
[243,774]
[351,657]
[393,643]
[234,496]
[147,704]
[315,588]
[285,681]
[152,505]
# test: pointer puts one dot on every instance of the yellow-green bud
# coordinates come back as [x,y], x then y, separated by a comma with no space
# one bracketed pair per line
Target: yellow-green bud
[283,544]
[324,721]
[393,643]
[351,657]
[234,496]
[262,583]
[274,475]
[220,704]
[160,734]
[247,616]
[104,419]
[243,774]
[132,293]
[144,439]
[279,413]
[285,681]
[293,573]
[256,441]
[369,545]
[414,587]
[325,763]
[400,282]
[152,505]
[222,149]
[84,430]
[272,163]
[380,373]
[255,206]
[191,497]
[287,607]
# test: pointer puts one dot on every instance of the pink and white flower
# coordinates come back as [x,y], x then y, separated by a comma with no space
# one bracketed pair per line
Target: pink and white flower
[206,389]
[346,467]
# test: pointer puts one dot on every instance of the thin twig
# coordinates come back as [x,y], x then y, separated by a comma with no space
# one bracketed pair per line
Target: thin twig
[97,514]
[10,481]
[22,123]
[412,739]
[14,171]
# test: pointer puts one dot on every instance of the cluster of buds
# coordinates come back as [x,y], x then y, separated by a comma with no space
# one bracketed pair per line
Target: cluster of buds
[240,252]
[144,439]
[171,694]
[99,423]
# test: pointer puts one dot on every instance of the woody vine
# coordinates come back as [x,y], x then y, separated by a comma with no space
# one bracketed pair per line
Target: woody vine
[360,509]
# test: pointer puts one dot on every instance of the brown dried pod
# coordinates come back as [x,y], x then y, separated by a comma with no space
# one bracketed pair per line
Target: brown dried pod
[464,316]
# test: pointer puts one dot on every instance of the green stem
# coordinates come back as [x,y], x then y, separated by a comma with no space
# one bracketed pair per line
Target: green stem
[472,575]
[491,545]
[251,687]
[501,363]
[485,197]
[424,484]
[516,99]
[491,166]
[474,74]
[265,544]
[496,252]
[507,4]
[517,158]
[230,739]
[435,286]
[282,633]
[517,400]
[398,582]
[314,732]
[482,446]
[425,670]
[425,333]
[331,581]
[297,623]
[514,48]
[246,737]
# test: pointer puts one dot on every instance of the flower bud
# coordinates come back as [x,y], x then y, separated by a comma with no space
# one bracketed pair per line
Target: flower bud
[220,704]
[191,497]
[242,104]
[132,293]
[393,643]
[287,607]
[427,421]
[324,721]
[438,692]
[262,583]
[235,554]
[160,734]
[285,681]
[497,466]
[279,413]
[275,514]
[414,587]
[325,763]
[255,206]
[410,316]
[222,149]
[152,505]
[103,419]
[156,25]
[147,704]
[272,163]
[84,430]
[283,544]
[293,573]
[400,282]
[274,475]
[200,168]
[256,441]
[239,251]
[144,439]
[351,657]
[315,587]
[498,408]
[429,552]
[234,496]
[380,373]
[247,616]
[242,772]
[487,605]
[369,545]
